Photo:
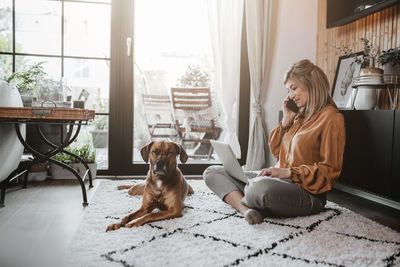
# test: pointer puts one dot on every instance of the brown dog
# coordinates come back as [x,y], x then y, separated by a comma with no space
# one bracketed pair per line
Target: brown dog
[165,186]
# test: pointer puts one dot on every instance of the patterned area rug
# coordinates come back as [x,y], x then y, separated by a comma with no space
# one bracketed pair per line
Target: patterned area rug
[211,233]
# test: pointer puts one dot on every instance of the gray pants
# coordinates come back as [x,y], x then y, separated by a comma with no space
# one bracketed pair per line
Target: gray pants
[271,196]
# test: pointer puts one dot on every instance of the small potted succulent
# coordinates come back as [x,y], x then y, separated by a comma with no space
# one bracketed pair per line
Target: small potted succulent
[390,59]
[86,152]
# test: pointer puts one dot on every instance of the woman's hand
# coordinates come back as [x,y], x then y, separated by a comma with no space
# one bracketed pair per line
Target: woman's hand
[288,115]
[276,172]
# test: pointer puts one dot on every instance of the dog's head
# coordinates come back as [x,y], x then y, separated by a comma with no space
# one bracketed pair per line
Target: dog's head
[162,156]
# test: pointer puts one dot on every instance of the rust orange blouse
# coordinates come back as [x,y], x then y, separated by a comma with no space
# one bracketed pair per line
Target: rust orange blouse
[313,150]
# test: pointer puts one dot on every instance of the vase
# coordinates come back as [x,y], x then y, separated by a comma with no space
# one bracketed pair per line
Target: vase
[27,100]
[100,138]
[366,98]
[370,76]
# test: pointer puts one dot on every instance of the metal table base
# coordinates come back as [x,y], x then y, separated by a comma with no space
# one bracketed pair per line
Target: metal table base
[43,157]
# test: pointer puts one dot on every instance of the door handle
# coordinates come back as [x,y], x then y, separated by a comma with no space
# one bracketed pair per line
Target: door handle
[128,46]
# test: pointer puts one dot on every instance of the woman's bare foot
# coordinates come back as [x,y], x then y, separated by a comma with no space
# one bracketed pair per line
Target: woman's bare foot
[235,199]
[253,216]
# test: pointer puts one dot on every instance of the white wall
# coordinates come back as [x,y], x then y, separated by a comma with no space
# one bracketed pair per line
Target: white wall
[293,36]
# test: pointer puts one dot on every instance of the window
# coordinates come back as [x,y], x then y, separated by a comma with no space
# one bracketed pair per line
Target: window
[72,39]
[85,42]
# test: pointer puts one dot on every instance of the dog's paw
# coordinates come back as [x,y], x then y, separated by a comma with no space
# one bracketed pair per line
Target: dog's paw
[135,224]
[125,220]
[113,227]
[121,187]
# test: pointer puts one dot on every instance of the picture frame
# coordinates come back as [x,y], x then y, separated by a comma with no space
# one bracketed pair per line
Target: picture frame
[347,69]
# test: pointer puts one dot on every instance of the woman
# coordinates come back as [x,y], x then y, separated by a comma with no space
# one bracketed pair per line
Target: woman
[309,145]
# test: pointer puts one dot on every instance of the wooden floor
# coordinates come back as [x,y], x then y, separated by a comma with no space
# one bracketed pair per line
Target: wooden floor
[38,223]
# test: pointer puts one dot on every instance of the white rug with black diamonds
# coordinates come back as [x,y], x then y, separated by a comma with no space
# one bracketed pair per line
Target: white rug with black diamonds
[211,233]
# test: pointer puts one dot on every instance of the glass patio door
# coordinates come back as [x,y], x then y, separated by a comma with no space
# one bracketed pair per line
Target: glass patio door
[173,75]
[161,48]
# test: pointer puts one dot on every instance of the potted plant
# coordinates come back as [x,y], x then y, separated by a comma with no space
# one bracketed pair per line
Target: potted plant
[370,53]
[100,132]
[38,172]
[27,81]
[195,76]
[86,152]
[390,59]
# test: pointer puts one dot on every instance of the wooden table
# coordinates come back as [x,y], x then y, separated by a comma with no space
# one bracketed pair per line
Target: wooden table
[71,117]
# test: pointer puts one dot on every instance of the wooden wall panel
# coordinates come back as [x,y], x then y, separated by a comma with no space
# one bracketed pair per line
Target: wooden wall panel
[381,28]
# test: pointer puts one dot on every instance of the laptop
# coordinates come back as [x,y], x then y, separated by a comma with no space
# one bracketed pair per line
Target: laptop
[231,164]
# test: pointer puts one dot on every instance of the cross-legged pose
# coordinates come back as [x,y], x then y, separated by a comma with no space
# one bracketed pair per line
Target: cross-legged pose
[309,144]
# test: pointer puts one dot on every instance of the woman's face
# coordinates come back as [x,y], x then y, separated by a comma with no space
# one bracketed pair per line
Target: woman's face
[297,94]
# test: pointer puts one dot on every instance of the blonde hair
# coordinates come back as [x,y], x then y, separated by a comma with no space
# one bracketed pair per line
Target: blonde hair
[310,77]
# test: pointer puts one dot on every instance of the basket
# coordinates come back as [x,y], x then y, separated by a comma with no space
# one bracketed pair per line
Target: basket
[72,114]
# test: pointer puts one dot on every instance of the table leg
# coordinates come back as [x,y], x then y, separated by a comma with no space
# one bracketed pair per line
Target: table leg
[47,157]
[78,177]
[84,164]
[3,193]
[3,185]
[26,179]
[67,152]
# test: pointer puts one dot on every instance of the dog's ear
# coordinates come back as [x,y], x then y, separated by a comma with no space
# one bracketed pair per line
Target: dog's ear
[144,151]
[182,153]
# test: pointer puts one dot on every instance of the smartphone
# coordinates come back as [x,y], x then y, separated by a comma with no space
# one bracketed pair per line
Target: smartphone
[292,106]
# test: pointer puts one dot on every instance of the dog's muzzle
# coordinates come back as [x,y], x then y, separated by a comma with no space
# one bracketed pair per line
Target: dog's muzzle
[160,167]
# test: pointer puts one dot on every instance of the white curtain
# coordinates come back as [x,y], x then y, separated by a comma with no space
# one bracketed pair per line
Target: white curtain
[225,20]
[257,27]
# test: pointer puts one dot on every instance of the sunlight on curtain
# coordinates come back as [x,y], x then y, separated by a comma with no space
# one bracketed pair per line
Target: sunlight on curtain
[257,22]
[172,49]
[225,18]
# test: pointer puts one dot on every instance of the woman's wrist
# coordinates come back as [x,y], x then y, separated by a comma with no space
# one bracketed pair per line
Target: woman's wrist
[286,123]
[289,173]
